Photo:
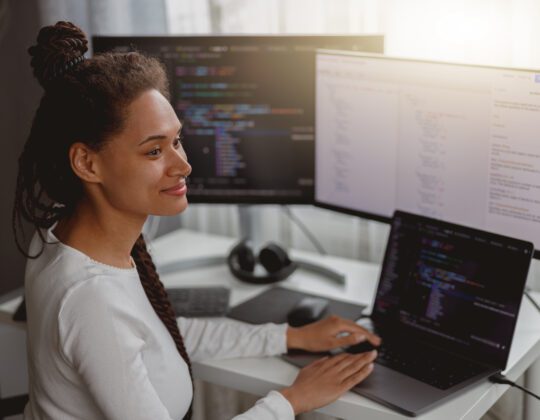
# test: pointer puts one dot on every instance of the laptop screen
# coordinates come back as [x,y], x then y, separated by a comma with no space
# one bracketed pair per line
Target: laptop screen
[455,287]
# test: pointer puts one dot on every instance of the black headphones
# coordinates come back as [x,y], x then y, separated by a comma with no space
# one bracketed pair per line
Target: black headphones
[273,258]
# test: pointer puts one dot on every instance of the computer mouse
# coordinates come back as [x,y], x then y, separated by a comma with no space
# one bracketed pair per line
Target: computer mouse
[306,311]
[362,347]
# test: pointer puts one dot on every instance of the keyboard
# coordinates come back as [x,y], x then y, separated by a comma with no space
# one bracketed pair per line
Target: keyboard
[441,370]
[192,302]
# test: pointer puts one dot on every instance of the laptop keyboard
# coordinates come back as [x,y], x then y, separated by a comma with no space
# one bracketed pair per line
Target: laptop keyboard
[436,369]
[194,302]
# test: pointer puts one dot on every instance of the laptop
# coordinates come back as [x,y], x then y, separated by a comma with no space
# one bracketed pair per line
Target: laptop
[446,308]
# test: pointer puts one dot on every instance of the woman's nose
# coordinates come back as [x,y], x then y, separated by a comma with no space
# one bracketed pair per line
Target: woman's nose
[179,165]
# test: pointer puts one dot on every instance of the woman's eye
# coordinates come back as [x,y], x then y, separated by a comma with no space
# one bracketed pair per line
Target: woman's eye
[154,152]
[178,142]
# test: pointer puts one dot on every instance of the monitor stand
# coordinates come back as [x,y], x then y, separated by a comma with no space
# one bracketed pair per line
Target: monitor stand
[250,224]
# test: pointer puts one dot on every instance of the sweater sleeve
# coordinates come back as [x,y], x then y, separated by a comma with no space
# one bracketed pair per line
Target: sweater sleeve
[100,340]
[224,338]
[272,407]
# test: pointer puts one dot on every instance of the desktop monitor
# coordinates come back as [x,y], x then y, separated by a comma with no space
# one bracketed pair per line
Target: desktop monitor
[247,104]
[448,141]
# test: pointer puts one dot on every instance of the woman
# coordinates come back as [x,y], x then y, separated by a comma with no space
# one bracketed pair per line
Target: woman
[104,152]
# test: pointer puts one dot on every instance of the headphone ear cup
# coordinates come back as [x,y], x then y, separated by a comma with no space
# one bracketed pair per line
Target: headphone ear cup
[273,258]
[244,256]
[242,261]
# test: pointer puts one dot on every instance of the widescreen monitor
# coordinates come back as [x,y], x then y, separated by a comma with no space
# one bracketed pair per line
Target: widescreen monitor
[449,141]
[247,104]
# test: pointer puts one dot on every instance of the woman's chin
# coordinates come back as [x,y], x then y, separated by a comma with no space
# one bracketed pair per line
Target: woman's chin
[172,210]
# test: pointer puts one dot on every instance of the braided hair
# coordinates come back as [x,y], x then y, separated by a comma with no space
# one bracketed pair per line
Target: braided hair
[155,291]
[84,100]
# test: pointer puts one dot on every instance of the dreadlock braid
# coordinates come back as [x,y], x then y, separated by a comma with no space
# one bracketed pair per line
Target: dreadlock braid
[155,291]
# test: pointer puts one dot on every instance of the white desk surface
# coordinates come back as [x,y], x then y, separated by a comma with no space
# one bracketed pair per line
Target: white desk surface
[260,375]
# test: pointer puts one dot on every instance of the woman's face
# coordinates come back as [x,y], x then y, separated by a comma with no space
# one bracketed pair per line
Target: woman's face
[144,168]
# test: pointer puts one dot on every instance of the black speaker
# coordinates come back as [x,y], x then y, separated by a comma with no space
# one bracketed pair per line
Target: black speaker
[242,262]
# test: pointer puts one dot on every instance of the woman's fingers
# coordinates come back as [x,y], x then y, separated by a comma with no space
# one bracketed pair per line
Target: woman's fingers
[355,332]
[355,363]
[358,376]
[319,362]
[326,379]
[345,364]
[332,362]
[353,328]
[349,340]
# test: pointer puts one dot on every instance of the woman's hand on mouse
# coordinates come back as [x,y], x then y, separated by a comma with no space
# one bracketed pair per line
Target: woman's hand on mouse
[326,379]
[329,333]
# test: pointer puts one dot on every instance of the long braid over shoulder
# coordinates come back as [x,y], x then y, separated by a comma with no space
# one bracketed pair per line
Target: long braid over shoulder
[155,291]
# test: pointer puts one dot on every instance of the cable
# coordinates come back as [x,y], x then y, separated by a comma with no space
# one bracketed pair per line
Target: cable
[531,299]
[305,230]
[501,379]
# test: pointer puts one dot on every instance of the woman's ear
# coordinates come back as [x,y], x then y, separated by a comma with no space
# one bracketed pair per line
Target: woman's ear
[83,161]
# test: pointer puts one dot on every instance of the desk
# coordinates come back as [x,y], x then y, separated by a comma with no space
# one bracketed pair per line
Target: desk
[259,376]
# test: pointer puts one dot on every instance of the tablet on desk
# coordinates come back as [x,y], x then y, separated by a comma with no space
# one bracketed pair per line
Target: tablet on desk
[274,304]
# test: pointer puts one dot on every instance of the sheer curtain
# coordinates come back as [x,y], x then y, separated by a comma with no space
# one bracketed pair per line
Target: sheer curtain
[493,32]
[102,17]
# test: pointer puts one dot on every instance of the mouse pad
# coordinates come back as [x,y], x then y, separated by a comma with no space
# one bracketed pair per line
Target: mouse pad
[274,304]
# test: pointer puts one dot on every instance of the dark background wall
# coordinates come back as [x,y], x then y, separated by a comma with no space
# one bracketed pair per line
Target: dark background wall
[19,98]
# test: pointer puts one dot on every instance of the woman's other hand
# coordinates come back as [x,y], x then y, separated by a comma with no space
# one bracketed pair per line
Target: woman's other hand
[329,333]
[326,379]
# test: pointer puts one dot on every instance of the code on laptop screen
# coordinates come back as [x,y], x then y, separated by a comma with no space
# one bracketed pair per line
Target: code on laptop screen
[453,286]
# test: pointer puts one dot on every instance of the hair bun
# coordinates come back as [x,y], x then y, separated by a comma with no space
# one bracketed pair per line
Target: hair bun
[57,47]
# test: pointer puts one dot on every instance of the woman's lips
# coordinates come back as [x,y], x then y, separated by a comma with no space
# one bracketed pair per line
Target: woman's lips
[177,190]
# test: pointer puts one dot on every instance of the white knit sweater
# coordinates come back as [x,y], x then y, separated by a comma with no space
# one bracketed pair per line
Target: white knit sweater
[97,349]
